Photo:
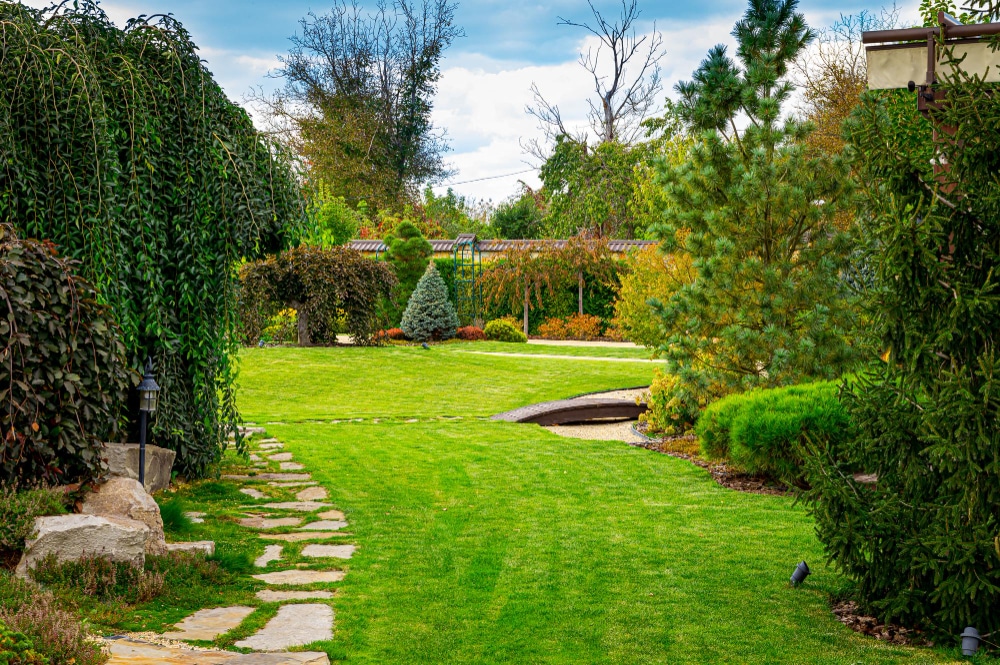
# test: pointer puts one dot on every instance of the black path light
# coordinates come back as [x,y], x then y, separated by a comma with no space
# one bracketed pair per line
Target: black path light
[149,393]
[970,641]
[801,573]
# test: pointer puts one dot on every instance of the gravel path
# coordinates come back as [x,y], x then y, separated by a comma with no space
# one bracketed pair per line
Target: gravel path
[609,431]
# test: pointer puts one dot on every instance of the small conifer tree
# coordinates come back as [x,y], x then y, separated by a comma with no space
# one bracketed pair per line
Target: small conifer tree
[429,314]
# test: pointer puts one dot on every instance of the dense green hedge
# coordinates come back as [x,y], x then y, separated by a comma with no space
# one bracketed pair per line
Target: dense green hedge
[761,431]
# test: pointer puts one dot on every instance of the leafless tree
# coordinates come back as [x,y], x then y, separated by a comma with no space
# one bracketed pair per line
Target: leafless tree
[625,67]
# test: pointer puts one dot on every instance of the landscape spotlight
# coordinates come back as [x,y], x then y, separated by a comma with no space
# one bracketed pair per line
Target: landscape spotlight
[970,641]
[148,396]
[801,573]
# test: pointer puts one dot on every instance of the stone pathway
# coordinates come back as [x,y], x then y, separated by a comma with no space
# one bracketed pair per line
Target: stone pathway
[304,615]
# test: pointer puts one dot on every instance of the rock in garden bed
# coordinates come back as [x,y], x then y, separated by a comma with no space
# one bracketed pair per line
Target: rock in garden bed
[849,613]
[71,537]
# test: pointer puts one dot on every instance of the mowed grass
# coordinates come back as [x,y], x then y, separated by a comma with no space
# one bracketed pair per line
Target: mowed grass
[294,384]
[487,542]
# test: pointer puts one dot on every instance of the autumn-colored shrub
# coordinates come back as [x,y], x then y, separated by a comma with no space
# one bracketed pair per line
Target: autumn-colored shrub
[471,334]
[396,334]
[577,326]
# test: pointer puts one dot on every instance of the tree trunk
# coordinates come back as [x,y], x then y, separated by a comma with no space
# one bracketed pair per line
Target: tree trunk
[579,286]
[527,295]
[302,322]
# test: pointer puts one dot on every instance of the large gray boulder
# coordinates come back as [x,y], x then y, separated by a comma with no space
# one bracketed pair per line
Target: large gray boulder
[124,497]
[71,537]
[123,462]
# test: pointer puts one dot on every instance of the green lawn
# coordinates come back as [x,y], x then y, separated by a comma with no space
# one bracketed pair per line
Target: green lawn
[486,542]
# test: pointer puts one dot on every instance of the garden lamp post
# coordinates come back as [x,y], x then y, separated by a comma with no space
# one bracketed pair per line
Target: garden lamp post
[800,574]
[970,641]
[148,395]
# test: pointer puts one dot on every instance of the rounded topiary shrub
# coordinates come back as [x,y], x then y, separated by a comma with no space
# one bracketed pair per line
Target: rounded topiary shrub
[429,314]
[500,330]
[63,377]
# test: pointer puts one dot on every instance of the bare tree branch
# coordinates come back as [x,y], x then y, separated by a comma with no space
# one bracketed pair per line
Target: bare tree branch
[625,68]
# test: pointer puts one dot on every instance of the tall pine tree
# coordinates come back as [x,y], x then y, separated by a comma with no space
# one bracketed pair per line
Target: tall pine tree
[755,211]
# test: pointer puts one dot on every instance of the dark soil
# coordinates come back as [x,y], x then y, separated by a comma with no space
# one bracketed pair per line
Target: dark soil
[9,559]
[849,614]
[678,446]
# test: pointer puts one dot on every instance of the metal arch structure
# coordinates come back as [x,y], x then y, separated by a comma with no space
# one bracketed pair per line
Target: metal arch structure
[468,266]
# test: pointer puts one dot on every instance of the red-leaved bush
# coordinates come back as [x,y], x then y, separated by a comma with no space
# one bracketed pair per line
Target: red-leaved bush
[470,333]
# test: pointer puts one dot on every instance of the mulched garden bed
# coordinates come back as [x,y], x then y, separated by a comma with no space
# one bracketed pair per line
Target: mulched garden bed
[683,447]
[849,614]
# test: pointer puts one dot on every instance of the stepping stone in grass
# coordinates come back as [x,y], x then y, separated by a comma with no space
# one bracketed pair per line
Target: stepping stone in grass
[269,596]
[270,445]
[254,457]
[295,577]
[269,523]
[209,624]
[270,476]
[305,484]
[132,651]
[252,493]
[312,494]
[298,537]
[196,518]
[280,457]
[293,626]
[331,515]
[271,553]
[292,466]
[324,525]
[301,506]
[206,547]
[328,551]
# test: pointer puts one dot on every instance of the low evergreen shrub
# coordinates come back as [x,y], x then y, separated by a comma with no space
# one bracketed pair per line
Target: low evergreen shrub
[429,314]
[501,330]
[762,431]
[17,649]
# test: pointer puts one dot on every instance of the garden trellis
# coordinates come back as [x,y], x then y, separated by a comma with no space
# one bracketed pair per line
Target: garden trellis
[118,145]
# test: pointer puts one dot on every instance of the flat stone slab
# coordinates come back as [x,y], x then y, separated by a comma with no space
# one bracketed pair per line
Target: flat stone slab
[331,515]
[252,493]
[271,553]
[292,466]
[209,624]
[300,484]
[133,652]
[271,596]
[270,445]
[312,494]
[254,457]
[206,547]
[297,537]
[270,476]
[293,626]
[328,551]
[300,506]
[269,522]
[296,577]
[280,457]
[324,525]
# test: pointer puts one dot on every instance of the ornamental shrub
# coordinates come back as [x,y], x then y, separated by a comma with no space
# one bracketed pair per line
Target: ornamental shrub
[554,328]
[323,285]
[429,314]
[766,432]
[652,276]
[673,408]
[63,377]
[409,252]
[502,330]
[470,334]
[16,649]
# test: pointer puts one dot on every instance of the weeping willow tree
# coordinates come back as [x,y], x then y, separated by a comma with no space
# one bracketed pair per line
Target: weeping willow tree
[118,145]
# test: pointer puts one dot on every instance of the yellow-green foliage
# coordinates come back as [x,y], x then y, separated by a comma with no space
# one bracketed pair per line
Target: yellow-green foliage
[502,330]
[652,275]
